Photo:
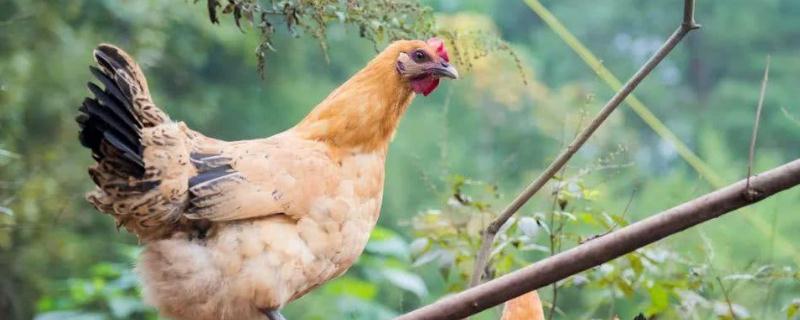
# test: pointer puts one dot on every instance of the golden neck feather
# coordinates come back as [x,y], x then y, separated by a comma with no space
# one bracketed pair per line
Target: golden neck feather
[363,113]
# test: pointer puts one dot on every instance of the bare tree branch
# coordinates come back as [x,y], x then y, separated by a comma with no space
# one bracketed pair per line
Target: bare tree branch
[611,246]
[688,24]
[754,136]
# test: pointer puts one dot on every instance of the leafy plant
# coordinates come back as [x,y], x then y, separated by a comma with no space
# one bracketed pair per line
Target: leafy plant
[6,197]
[375,20]
[378,21]
[110,292]
[657,280]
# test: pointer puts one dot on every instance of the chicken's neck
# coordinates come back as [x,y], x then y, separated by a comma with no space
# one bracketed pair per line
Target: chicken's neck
[363,113]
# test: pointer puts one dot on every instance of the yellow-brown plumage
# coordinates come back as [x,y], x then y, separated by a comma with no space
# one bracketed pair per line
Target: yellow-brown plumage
[525,307]
[373,100]
[232,229]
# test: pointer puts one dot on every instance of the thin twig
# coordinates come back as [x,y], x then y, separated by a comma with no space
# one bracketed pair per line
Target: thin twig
[616,223]
[727,298]
[556,233]
[790,116]
[624,211]
[554,238]
[612,246]
[754,136]
[489,234]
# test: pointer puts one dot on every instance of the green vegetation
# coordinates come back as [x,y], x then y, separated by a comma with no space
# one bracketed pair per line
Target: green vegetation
[459,156]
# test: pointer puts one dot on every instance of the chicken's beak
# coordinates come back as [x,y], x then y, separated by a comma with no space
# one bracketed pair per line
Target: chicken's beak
[444,69]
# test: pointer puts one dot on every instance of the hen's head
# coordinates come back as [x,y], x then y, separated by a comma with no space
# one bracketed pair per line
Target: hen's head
[422,63]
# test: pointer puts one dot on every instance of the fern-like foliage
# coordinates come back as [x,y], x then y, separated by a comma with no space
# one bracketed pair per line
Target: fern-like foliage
[376,20]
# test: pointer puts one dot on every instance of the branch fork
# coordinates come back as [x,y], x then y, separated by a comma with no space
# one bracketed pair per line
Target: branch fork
[484,296]
[482,258]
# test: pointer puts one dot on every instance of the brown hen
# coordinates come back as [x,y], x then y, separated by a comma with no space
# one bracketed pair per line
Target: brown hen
[236,230]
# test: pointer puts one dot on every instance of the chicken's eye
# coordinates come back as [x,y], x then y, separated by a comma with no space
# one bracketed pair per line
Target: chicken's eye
[419,56]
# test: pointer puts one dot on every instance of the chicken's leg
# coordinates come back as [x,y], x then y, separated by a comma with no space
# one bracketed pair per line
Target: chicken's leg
[273,315]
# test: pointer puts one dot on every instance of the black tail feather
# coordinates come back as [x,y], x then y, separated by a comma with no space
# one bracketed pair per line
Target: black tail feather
[110,85]
[122,104]
[111,121]
[106,61]
[113,61]
[124,148]
[108,118]
[90,135]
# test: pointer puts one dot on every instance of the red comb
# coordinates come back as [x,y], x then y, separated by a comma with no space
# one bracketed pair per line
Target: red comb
[438,44]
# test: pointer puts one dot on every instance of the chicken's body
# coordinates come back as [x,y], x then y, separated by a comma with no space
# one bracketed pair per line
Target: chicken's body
[233,229]
[329,208]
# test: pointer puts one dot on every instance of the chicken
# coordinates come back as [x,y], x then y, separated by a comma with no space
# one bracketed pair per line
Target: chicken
[525,307]
[236,230]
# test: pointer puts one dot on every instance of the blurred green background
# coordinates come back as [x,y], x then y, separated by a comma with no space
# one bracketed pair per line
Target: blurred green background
[459,155]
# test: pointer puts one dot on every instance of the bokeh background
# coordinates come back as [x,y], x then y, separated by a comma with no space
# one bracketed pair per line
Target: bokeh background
[459,155]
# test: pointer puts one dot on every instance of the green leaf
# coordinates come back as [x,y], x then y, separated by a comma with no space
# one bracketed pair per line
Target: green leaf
[636,264]
[792,308]
[569,215]
[588,218]
[352,287]
[659,299]
[124,307]
[407,281]
[535,247]
[381,233]
[353,308]
[625,287]
[419,246]
[45,304]
[105,270]
[388,243]
[619,220]
[427,257]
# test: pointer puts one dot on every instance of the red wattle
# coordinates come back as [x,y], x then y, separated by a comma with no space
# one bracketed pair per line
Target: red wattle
[425,85]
